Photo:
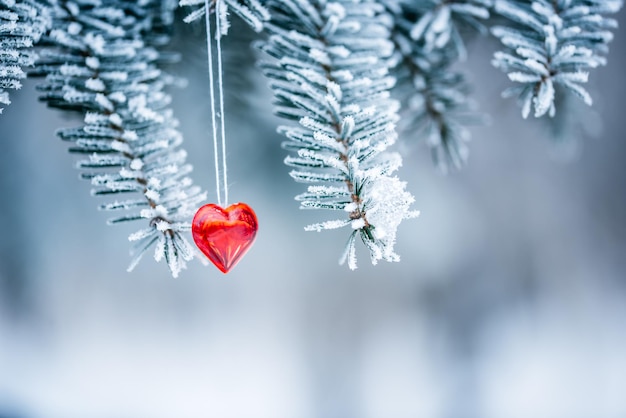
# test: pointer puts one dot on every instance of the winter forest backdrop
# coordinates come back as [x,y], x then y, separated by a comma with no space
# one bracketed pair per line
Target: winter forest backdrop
[508,301]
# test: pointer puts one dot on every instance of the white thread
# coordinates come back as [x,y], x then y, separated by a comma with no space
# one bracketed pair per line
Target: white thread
[218,34]
[221,98]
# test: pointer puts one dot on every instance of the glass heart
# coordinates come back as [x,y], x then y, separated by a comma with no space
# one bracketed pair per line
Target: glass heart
[224,235]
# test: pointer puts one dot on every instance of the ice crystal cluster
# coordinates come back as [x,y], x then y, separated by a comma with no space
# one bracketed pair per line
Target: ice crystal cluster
[103,63]
[348,77]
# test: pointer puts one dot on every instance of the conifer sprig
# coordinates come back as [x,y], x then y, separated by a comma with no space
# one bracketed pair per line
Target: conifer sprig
[21,25]
[436,104]
[102,65]
[330,74]
[554,45]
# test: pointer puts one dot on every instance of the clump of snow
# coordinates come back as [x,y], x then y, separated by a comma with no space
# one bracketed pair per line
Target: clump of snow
[388,205]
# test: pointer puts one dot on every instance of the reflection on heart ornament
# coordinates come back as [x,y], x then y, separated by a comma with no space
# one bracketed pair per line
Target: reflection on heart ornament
[224,235]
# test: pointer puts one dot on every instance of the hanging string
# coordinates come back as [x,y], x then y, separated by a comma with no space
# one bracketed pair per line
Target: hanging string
[218,36]
[218,31]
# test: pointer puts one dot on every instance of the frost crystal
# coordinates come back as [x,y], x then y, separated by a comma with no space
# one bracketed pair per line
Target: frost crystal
[435,98]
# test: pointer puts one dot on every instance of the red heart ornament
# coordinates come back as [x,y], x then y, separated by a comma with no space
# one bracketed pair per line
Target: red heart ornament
[224,235]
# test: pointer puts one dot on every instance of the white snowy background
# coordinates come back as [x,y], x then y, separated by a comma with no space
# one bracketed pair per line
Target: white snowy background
[509,301]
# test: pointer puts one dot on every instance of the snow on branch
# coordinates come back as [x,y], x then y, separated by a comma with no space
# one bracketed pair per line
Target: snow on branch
[21,25]
[554,44]
[331,76]
[251,11]
[101,65]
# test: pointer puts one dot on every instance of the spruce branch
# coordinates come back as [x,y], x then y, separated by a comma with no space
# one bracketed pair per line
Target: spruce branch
[435,98]
[21,25]
[330,74]
[101,64]
[554,45]
[437,108]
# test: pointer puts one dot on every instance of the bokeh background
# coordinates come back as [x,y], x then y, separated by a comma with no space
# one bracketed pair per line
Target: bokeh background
[509,301]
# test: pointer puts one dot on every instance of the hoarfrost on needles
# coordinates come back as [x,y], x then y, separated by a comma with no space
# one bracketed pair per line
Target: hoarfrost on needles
[113,77]
[332,75]
[558,42]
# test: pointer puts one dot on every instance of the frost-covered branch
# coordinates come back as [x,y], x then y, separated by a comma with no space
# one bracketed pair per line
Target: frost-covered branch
[330,74]
[102,65]
[436,106]
[251,11]
[21,25]
[555,44]
[439,23]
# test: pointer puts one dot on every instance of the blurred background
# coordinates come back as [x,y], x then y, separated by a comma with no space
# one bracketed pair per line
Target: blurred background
[509,301]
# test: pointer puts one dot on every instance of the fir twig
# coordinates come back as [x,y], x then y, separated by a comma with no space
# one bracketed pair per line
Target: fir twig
[101,65]
[435,98]
[331,75]
[554,45]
